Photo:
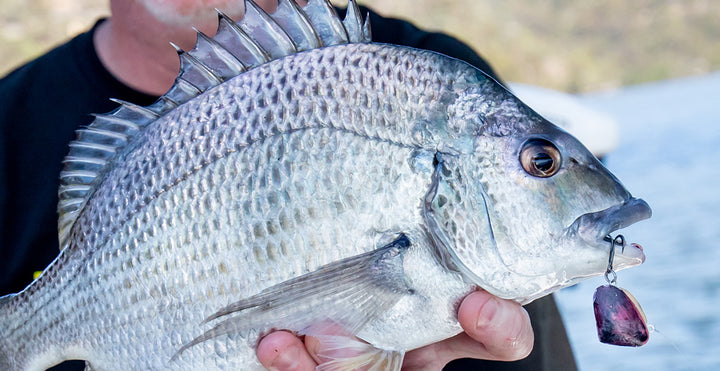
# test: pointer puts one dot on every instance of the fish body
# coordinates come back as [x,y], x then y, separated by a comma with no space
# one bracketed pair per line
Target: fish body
[360,184]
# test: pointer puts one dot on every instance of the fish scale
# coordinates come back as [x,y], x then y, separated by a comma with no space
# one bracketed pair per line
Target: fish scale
[196,152]
[257,164]
[367,185]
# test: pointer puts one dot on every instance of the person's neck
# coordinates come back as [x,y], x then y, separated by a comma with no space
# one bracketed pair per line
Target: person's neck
[135,48]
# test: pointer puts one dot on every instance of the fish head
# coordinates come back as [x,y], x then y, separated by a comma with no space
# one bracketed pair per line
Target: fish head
[526,212]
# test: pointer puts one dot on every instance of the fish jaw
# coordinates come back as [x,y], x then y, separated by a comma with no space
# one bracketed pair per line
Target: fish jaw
[592,228]
[586,251]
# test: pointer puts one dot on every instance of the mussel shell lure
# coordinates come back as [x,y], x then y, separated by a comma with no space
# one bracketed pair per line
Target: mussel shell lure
[619,317]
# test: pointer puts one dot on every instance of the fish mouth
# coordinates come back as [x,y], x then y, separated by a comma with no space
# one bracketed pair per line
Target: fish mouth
[593,228]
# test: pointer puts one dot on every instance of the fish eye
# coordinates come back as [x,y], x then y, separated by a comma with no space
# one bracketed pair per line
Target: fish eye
[540,158]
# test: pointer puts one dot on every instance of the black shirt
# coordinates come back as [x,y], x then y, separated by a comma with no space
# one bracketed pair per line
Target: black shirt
[46,100]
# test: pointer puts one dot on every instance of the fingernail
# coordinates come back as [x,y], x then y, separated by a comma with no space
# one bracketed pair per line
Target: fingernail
[487,313]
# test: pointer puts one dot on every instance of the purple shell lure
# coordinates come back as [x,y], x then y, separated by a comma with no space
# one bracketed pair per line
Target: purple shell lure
[620,320]
[619,317]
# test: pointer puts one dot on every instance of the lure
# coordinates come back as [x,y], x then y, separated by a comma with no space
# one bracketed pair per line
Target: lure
[619,317]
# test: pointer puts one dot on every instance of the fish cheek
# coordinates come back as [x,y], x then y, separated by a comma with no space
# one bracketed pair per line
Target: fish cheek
[530,213]
[531,208]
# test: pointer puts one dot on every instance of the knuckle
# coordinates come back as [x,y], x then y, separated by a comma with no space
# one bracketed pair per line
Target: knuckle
[515,348]
[519,343]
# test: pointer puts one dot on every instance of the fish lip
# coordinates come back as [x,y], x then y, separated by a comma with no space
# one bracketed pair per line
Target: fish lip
[593,227]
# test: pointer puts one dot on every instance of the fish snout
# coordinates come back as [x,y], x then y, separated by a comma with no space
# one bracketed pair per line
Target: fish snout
[592,228]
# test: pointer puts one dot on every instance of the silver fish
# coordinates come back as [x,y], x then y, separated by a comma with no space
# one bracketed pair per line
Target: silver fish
[298,175]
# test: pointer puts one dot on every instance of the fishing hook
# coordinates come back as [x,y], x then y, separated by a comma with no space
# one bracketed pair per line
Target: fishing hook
[619,240]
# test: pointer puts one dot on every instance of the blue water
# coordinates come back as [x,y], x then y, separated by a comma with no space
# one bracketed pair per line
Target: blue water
[669,155]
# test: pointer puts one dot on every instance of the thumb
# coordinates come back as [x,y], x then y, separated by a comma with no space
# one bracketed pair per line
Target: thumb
[501,326]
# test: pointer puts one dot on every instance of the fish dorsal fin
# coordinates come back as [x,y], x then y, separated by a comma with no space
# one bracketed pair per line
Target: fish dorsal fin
[256,39]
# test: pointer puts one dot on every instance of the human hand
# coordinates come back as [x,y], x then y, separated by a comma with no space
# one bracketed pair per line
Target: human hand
[495,329]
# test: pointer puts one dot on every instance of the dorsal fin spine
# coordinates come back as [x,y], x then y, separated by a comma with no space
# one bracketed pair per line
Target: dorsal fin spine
[292,19]
[71,202]
[353,22]
[266,32]
[181,91]
[196,72]
[78,173]
[114,123]
[327,24]
[100,134]
[167,101]
[92,146]
[225,64]
[85,160]
[238,43]
[136,108]
[367,31]
[237,47]
[66,192]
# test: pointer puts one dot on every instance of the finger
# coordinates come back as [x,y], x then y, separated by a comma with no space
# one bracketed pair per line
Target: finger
[332,341]
[314,349]
[495,329]
[501,326]
[435,356]
[283,351]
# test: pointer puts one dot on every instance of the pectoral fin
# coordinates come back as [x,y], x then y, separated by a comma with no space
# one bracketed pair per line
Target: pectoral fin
[349,293]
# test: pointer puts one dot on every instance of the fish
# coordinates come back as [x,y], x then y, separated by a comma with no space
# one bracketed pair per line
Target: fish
[299,176]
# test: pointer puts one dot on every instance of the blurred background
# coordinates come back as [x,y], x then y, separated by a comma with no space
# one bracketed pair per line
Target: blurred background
[573,46]
[649,66]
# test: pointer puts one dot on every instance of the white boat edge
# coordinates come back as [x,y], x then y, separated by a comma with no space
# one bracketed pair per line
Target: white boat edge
[598,131]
